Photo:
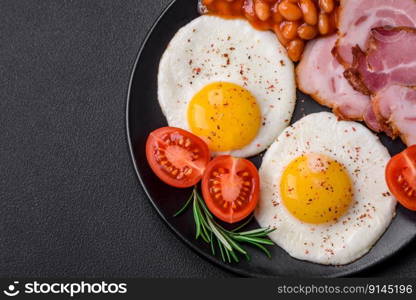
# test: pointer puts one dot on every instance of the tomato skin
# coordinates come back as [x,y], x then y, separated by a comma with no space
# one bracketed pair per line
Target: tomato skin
[176,156]
[235,177]
[401,177]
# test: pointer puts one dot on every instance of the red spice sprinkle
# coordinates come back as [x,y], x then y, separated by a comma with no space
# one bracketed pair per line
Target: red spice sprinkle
[330,251]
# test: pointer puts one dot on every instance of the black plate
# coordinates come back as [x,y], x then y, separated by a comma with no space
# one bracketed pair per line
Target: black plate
[144,115]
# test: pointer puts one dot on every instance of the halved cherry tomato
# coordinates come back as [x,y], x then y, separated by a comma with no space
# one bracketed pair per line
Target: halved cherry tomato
[401,177]
[177,157]
[230,188]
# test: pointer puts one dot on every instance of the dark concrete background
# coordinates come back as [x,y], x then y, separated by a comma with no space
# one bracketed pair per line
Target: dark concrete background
[70,203]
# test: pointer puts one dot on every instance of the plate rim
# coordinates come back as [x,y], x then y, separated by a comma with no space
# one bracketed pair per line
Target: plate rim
[178,234]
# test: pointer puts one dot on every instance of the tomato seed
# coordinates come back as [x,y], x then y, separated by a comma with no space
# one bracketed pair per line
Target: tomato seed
[188,172]
[187,143]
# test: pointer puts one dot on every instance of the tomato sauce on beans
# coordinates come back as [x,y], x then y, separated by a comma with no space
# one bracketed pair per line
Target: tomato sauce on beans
[293,21]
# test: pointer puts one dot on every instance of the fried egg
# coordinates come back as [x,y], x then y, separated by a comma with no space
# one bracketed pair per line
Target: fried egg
[323,189]
[228,83]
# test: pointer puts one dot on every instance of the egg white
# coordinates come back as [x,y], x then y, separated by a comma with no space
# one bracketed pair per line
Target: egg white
[212,49]
[371,212]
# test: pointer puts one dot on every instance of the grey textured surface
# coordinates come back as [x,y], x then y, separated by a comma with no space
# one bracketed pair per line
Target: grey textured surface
[70,203]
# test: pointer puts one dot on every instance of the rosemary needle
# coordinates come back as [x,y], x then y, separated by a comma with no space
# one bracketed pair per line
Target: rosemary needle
[228,242]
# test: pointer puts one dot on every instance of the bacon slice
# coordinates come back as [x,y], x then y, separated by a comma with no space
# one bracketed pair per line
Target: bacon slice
[387,71]
[396,108]
[390,60]
[321,76]
[358,17]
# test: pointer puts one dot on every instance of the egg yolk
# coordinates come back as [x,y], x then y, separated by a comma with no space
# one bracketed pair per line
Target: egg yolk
[316,189]
[226,115]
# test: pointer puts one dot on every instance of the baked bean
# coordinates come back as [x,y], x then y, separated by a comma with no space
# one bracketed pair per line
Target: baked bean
[290,29]
[293,21]
[327,5]
[310,13]
[280,37]
[324,24]
[277,17]
[307,32]
[262,9]
[290,11]
[295,49]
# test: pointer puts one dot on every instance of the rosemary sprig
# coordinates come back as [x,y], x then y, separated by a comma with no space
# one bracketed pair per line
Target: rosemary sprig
[228,242]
